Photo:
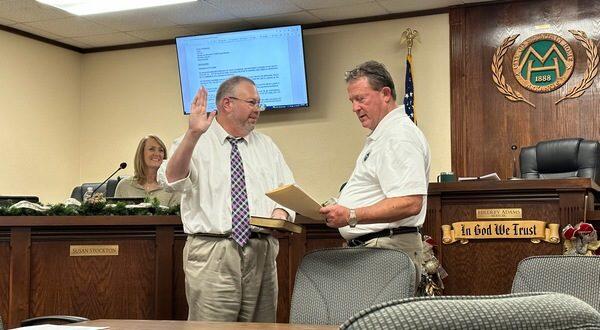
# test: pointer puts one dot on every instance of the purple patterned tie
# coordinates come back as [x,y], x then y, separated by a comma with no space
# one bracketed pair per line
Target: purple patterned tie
[240,212]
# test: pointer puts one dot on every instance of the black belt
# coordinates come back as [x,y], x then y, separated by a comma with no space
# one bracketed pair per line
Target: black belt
[362,239]
[259,235]
[252,235]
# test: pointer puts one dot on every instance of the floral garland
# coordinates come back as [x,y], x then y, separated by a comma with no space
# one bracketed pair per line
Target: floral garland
[580,240]
[93,208]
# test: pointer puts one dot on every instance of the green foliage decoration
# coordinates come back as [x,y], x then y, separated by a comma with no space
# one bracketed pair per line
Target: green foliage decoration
[95,208]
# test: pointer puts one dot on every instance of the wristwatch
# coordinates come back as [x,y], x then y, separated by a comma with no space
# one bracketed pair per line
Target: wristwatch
[352,221]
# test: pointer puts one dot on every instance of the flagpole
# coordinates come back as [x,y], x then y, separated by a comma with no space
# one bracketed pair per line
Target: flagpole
[408,36]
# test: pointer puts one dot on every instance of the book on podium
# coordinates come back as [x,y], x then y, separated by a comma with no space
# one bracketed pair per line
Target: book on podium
[276,224]
[293,197]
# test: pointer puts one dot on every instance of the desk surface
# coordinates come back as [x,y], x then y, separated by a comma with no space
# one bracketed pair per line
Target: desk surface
[199,325]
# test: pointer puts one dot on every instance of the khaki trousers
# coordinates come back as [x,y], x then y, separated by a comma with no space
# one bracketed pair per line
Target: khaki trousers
[225,282]
[410,243]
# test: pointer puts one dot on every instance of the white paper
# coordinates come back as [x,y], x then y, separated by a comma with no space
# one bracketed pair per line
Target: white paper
[60,327]
[492,176]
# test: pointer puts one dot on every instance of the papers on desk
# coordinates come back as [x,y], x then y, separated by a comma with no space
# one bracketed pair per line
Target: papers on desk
[492,176]
[60,327]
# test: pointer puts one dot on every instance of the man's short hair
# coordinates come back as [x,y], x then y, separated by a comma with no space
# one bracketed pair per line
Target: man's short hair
[377,76]
[227,87]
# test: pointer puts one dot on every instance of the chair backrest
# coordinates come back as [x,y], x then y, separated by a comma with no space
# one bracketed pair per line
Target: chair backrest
[333,284]
[111,186]
[578,276]
[108,189]
[513,311]
[558,159]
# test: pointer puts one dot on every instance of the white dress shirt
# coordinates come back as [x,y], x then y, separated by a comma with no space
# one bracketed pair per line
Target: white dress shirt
[394,162]
[206,191]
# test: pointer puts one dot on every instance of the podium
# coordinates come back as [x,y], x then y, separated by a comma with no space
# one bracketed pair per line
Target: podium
[488,266]
[117,267]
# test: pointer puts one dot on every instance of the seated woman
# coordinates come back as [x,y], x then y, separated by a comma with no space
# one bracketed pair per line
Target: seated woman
[150,154]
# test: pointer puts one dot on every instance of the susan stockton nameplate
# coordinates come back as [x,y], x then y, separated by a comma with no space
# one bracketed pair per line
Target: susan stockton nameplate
[93,250]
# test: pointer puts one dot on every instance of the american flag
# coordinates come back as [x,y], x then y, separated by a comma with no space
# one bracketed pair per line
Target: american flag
[409,97]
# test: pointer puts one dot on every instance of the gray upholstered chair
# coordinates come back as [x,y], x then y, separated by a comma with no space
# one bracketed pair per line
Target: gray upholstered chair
[334,284]
[559,159]
[545,311]
[578,276]
[1,324]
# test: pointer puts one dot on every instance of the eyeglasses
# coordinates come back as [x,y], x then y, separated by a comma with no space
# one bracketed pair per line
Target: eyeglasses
[253,103]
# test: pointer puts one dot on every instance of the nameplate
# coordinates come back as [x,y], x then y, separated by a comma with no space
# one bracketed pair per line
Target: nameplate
[535,230]
[499,213]
[93,250]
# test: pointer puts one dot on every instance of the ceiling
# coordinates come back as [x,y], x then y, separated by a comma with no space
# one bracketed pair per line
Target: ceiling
[199,17]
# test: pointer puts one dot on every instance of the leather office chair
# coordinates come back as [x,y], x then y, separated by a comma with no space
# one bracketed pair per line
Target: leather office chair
[578,276]
[334,284]
[111,186]
[558,159]
[545,311]
[108,189]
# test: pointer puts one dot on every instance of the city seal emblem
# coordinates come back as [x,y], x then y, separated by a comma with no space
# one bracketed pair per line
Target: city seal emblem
[543,62]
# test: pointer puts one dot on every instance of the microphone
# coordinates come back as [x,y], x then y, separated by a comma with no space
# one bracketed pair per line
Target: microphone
[514,169]
[121,166]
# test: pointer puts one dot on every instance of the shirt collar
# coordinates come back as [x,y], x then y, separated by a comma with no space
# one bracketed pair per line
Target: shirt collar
[387,121]
[222,134]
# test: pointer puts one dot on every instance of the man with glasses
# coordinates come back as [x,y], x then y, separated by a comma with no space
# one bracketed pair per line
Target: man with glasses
[223,167]
[383,204]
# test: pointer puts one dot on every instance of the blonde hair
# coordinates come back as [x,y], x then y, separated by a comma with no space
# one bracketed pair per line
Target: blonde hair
[139,167]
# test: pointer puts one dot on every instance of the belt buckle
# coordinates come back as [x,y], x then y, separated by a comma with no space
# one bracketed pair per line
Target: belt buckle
[355,242]
[391,232]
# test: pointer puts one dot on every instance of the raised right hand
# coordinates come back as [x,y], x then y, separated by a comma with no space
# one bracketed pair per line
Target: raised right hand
[199,120]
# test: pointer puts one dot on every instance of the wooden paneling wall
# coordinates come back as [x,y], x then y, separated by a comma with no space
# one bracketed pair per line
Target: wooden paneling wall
[488,266]
[484,124]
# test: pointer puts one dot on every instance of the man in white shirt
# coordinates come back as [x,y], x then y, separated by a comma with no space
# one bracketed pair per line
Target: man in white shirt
[384,202]
[223,169]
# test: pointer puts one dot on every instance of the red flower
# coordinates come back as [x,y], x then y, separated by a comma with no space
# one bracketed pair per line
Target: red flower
[429,240]
[584,228]
[568,232]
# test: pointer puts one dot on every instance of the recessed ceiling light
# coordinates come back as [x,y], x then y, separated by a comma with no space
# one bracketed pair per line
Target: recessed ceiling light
[89,7]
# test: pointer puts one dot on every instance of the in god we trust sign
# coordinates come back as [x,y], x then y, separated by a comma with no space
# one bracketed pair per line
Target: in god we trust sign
[535,230]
